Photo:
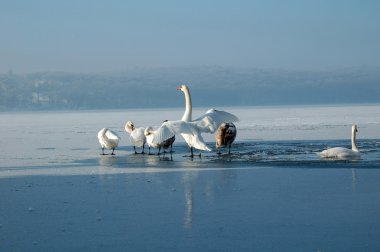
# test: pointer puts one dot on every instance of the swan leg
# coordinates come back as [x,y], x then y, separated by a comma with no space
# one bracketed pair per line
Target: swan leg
[102,152]
[113,151]
[192,153]
[159,149]
[134,148]
[171,149]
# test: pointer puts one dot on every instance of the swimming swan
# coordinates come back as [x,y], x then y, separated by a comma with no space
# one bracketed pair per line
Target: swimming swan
[225,136]
[108,140]
[137,136]
[340,152]
[192,131]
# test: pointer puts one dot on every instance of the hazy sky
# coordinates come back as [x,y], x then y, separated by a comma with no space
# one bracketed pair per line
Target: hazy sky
[93,36]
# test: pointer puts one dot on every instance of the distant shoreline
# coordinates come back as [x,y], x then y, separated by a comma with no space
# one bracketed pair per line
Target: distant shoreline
[209,87]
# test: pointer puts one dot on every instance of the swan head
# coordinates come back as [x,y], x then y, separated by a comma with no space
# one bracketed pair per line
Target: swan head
[183,88]
[148,131]
[354,128]
[129,126]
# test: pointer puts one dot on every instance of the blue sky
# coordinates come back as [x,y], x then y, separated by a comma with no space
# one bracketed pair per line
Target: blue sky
[98,36]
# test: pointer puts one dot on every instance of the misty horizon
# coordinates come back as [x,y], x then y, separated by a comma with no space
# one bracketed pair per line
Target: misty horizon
[209,86]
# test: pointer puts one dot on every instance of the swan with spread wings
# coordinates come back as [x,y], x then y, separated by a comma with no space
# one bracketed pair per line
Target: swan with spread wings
[208,123]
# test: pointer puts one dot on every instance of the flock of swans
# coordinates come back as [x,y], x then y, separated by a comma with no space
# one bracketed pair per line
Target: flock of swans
[191,130]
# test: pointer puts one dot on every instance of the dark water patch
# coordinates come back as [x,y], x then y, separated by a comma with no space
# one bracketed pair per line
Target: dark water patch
[249,154]
[79,149]
[300,154]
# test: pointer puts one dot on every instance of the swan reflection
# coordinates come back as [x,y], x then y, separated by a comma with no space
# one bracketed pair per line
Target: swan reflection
[188,179]
[354,178]
[107,161]
[210,186]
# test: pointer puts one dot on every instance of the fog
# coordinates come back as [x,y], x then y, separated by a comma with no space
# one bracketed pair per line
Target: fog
[210,86]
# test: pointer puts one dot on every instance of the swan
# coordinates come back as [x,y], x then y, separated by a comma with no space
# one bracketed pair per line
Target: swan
[219,117]
[137,136]
[108,140]
[341,152]
[168,143]
[192,131]
[149,134]
[225,136]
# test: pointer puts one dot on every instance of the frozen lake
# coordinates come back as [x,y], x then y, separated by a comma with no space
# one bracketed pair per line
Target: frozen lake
[272,194]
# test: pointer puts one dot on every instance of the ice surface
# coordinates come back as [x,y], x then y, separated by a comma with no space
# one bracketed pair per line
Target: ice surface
[272,194]
[68,139]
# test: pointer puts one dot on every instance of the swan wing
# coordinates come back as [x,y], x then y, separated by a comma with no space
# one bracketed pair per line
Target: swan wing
[101,138]
[137,137]
[171,128]
[196,141]
[212,119]
[112,135]
[164,132]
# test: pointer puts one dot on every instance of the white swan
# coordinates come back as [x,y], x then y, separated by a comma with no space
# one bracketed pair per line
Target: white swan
[191,131]
[342,153]
[218,116]
[149,134]
[137,136]
[108,140]
[225,136]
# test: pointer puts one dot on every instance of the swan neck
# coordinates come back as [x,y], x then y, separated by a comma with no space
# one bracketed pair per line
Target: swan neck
[103,133]
[188,112]
[353,141]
